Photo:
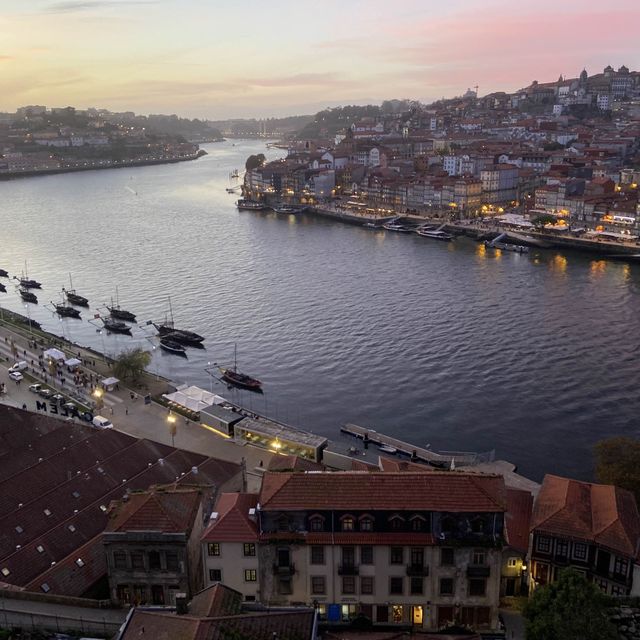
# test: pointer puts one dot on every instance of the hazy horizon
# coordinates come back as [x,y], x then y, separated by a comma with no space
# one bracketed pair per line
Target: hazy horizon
[223,61]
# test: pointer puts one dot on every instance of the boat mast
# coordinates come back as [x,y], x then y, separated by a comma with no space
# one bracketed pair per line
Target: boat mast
[171,313]
[235,357]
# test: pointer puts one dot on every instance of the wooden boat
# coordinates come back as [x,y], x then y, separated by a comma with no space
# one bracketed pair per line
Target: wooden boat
[287,209]
[3,288]
[3,273]
[118,312]
[435,234]
[168,330]
[28,296]
[172,346]
[26,282]
[251,205]
[73,297]
[65,311]
[234,377]
[116,326]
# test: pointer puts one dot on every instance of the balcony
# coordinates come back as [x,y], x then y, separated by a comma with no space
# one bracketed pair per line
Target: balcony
[418,570]
[478,571]
[284,569]
[348,570]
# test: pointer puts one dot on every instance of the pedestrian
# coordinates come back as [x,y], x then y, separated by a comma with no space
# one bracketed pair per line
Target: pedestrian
[126,410]
[24,406]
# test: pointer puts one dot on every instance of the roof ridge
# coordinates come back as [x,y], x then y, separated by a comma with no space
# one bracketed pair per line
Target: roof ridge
[486,493]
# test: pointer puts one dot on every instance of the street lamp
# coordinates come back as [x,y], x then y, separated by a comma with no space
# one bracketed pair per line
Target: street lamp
[98,395]
[171,420]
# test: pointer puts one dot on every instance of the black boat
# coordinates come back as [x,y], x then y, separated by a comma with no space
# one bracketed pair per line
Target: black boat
[3,288]
[28,296]
[172,346]
[65,311]
[73,297]
[116,326]
[167,330]
[28,283]
[117,312]
[3,273]
[234,377]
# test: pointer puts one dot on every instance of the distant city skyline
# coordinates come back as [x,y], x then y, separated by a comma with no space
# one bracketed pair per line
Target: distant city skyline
[222,59]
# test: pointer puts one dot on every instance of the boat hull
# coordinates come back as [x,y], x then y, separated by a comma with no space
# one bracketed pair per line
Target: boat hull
[121,314]
[173,347]
[241,380]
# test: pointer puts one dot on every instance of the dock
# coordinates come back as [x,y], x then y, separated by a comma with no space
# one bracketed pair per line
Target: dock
[442,459]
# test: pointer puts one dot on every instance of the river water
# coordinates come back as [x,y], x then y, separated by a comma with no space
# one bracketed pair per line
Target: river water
[533,355]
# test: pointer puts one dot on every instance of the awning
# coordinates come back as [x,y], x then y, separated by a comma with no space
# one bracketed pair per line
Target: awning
[73,362]
[54,354]
[109,382]
[193,398]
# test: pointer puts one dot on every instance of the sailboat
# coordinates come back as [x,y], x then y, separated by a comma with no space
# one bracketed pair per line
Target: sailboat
[26,282]
[73,297]
[65,310]
[233,376]
[168,330]
[118,312]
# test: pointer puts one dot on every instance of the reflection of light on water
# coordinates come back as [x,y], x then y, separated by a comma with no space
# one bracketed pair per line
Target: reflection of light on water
[626,272]
[559,264]
[597,267]
[481,250]
[497,254]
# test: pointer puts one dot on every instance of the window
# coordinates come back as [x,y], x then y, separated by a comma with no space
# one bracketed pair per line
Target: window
[283,523]
[618,591]
[316,523]
[349,611]
[45,587]
[417,523]
[318,587]
[580,551]
[479,557]
[215,575]
[562,548]
[137,560]
[397,522]
[366,524]
[366,585]
[366,555]
[602,584]
[446,557]
[477,586]
[348,556]
[250,575]
[317,554]
[249,549]
[347,523]
[172,561]
[446,586]
[154,560]
[417,586]
[543,545]
[620,566]
[512,563]
[395,586]
[213,548]
[396,555]
[417,556]
[348,585]
[119,559]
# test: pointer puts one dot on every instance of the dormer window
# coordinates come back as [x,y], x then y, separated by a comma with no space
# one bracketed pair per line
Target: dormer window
[283,523]
[316,522]
[417,523]
[347,523]
[477,525]
[366,523]
[397,522]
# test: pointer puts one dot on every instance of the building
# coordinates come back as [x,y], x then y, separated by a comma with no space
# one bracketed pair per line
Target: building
[499,183]
[592,528]
[418,549]
[152,545]
[229,545]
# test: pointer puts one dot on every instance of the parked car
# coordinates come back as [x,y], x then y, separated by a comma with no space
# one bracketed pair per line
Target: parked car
[102,422]
[16,375]
[19,366]
[69,406]
[58,398]
[45,393]
[35,387]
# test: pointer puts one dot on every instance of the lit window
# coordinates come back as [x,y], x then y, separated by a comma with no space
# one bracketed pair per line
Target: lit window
[250,575]
[40,549]
[5,572]
[543,545]
[80,562]
[213,548]
[249,549]
[347,523]
[45,587]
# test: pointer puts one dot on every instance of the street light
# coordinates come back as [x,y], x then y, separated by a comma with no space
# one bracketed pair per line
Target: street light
[171,420]
[98,395]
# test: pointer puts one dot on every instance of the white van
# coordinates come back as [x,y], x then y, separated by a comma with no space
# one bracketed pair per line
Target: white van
[102,423]
[19,366]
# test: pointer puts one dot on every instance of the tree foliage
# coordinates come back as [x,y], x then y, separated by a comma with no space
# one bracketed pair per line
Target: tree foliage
[569,609]
[618,463]
[543,219]
[131,364]
[255,161]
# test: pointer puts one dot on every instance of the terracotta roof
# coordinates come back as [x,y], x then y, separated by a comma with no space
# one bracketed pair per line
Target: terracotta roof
[217,600]
[435,491]
[169,511]
[518,518]
[294,463]
[233,523]
[603,514]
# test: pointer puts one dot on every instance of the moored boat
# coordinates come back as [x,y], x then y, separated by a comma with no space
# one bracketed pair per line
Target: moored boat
[65,311]
[118,312]
[251,205]
[168,330]
[172,346]
[28,296]
[235,377]
[73,297]
[506,246]
[3,288]
[116,326]
[435,234]
[4,274]
[287,209]
[28,283]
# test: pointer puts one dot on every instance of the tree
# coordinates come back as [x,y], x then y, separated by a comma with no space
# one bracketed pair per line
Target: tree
[569,609]
[618,463]
[543,219]
[253,162]
[131,364]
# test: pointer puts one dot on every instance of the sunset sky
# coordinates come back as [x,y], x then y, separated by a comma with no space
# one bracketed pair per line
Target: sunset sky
[223,58]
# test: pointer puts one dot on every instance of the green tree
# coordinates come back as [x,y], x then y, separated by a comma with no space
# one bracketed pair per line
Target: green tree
[131,364]
[253,162]
[569,609]
[618,463]
[543,219]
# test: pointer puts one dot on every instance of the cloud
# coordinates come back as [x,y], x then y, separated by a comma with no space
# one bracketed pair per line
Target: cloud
[74,6]
[301,79]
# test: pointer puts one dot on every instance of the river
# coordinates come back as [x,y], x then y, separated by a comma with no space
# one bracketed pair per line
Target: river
[452,345]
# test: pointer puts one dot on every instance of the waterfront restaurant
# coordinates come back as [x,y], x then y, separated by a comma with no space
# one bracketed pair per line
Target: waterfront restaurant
[280,438]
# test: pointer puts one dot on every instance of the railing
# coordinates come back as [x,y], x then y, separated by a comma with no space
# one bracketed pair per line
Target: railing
[348,570]
[284,569]
[417,570]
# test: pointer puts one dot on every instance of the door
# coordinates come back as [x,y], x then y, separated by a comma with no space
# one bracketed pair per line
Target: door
[416,615]
[510,589]
[157,594]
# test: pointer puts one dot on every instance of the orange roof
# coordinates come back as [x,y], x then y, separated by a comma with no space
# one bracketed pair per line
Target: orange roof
[518,518]
[233,523]
[216,600]
[599,513]
[436,491]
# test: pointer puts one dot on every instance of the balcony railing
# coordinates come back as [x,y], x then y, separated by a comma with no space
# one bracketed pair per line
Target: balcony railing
[348,570]
[478,571]
[284,569]
[417,570]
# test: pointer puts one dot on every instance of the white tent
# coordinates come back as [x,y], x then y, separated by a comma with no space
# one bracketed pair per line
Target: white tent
[54,354]
[193,398]
[72,362]
[109,383]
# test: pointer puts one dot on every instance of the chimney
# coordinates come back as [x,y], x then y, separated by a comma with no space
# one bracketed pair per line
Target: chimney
[181,604]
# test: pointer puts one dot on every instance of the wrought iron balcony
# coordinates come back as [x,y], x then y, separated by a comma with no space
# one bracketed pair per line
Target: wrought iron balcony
[418,570]
[284,569]
[348,570]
